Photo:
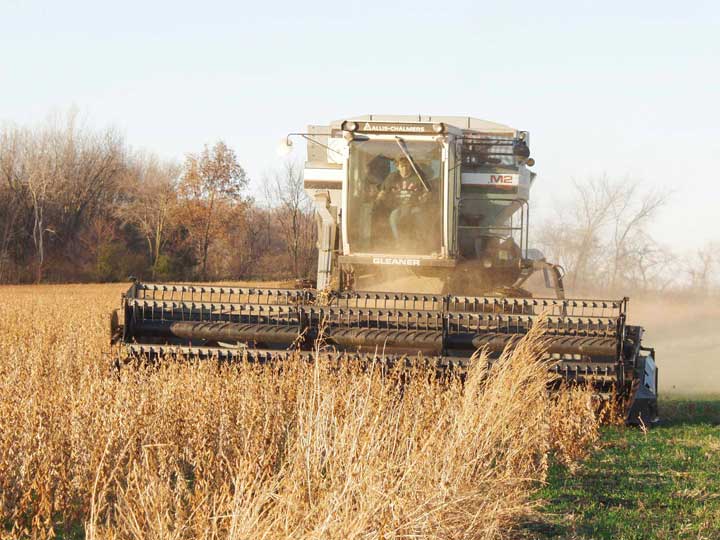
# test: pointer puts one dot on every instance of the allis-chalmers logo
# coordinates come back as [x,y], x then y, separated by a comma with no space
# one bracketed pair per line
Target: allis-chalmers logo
[396,128]
[396,262]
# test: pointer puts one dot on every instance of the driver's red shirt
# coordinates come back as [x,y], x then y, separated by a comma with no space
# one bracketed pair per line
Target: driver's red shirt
[403,190]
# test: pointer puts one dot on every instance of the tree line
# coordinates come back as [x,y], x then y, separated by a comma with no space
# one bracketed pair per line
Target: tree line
[600,234]
[76,204]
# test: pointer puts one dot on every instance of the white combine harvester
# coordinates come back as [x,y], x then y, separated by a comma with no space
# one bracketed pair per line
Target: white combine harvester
[406,205]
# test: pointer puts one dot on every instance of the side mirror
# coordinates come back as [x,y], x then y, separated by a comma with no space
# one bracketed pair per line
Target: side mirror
[521,150]
[285,146]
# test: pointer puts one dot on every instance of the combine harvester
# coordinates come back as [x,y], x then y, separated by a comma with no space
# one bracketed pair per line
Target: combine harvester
[416,202]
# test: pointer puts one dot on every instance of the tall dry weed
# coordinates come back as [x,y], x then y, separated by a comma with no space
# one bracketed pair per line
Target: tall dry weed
[302,450]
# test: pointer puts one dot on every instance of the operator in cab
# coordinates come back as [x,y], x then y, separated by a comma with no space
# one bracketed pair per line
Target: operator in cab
[406,193]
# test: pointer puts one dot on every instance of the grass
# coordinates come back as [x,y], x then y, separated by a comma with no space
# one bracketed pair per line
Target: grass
[195,450]
[663,484]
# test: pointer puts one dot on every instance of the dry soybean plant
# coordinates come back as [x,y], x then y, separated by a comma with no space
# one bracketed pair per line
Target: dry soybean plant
[304,450]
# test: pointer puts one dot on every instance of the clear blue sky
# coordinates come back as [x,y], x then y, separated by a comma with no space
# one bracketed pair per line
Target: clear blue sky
[623,88]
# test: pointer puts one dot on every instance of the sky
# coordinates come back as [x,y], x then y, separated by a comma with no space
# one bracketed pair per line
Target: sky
[624,89]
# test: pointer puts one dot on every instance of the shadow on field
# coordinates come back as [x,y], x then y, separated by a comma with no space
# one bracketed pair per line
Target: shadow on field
[656,485]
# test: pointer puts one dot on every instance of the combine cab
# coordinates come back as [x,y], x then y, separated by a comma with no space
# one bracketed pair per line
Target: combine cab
[430,202]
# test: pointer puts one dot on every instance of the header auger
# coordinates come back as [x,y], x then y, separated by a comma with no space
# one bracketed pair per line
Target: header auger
[434,202]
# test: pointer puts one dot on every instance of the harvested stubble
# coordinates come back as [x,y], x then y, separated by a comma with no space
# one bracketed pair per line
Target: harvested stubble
[195,450]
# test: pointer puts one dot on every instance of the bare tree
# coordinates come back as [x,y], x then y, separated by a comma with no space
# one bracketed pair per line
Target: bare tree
[152,193]
[293,212]
[89,165]
[41,177]
[13,192]
[251,238]
[574,237]
[703,270]
[631,210]
[600,235]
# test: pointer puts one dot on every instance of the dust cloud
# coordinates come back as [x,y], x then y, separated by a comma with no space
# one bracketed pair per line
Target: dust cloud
[685,333]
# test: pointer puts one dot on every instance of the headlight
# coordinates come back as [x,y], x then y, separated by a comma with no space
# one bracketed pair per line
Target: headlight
[439,128]
[349,126]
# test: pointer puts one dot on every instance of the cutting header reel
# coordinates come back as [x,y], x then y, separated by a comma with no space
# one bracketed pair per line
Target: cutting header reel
[587,341]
